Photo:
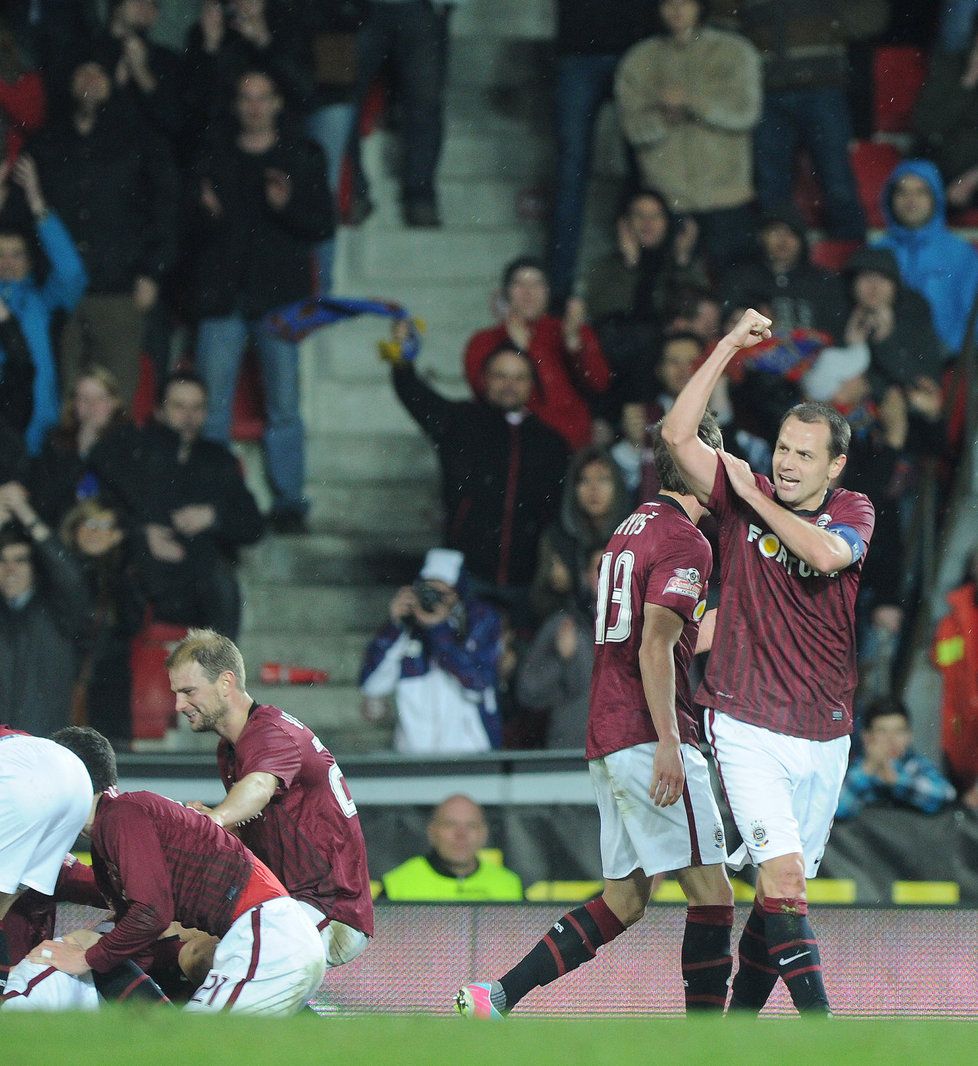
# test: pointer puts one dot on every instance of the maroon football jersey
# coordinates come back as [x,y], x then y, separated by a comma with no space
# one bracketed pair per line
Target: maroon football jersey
[655,556]
[784,653]
[309,833]
[155,862]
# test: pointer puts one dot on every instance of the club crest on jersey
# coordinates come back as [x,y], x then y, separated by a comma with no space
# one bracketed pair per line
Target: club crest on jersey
[770,547]
[717,835]
[823,520]
[699,610]
[685,582]
[758,832]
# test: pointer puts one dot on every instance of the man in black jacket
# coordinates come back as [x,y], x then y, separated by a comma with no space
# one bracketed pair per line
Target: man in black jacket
[191,509]
[44,614]
[263,203]
[113,183]
[502,472]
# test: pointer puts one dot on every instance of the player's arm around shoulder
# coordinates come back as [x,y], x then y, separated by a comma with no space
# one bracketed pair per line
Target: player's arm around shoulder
[246,799]
[827,550]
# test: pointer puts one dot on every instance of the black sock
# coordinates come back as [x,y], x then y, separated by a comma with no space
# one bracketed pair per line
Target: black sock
[792,947]
[706,958]
[571,941]
[127,982]
[756,977]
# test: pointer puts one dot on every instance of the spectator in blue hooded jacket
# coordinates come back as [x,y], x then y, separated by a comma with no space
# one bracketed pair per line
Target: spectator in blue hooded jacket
[937,263]
[32,303]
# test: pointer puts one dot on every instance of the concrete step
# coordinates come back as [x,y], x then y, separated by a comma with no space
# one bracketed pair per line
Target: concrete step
[363,556]
[341,654]
[443,255]
[316,705]
[370,407]
[312,608]
[482,21]
[341,457]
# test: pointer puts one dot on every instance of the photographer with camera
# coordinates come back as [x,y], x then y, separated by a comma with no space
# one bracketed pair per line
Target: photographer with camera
[437,657]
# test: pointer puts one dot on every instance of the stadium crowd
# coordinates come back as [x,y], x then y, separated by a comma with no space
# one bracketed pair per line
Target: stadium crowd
[148,195]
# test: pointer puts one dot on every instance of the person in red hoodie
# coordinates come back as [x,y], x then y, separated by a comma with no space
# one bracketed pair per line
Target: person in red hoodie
[570,366]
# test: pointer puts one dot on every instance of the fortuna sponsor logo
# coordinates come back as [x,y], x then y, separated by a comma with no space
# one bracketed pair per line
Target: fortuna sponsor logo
[771,548]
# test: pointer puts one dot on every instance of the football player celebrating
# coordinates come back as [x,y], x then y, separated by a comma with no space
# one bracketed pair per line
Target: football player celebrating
[782,670]
[651,781]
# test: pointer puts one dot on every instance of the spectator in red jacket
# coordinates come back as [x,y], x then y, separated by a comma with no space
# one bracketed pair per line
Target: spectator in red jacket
[570,366]
[21,94]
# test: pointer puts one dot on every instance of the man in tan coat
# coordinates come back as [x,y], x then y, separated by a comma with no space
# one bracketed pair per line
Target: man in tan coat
[688,102]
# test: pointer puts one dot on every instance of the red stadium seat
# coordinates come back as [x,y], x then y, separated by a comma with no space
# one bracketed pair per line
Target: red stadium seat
[833,255]
[898,74]
[872,164]
[248,415]
[151,702]
[144,401]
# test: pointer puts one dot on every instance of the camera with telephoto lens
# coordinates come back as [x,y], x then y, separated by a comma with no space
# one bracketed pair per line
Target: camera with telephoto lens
[429,598]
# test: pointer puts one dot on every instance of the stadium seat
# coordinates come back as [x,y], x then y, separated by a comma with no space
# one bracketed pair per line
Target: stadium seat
[872,164]
[833,255]
[151,703]
[248,414]
[144,401]
[898,74]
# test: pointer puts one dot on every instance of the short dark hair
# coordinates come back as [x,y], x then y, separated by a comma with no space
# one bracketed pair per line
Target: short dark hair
[183,377]
[812,412]
[883,706]
[507,347]
[524,262]
[680,335]
[627,201]
[670,477]
[94,751]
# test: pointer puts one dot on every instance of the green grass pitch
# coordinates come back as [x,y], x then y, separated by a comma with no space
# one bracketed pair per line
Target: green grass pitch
[164,1038]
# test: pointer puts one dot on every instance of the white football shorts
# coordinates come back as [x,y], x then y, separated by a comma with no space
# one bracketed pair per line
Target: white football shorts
[635,834]
[783,791]
[270,961]
[342,943]
[45,799]
[34,987]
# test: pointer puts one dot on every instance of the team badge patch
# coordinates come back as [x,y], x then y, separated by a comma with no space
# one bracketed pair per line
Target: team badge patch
[699,610]
[685,582]
[758,832]
[718,835]
[823,520]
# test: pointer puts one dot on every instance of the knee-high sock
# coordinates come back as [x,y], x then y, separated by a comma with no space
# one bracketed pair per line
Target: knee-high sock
[756,976]
[572,940]
[706,959]
[792,947]
[127,982]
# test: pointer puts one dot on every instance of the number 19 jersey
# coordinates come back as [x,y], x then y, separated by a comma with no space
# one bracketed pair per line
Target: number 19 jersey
[657,556]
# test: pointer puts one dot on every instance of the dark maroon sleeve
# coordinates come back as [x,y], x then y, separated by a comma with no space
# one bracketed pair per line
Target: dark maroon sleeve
[76,884]
[125,836]
[678,577]
[267,748]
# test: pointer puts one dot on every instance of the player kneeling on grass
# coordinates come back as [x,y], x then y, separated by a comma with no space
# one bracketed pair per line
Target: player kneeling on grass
[156,862]
[644,757]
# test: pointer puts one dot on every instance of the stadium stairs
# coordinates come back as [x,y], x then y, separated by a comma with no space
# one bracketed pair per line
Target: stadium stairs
[316,600]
